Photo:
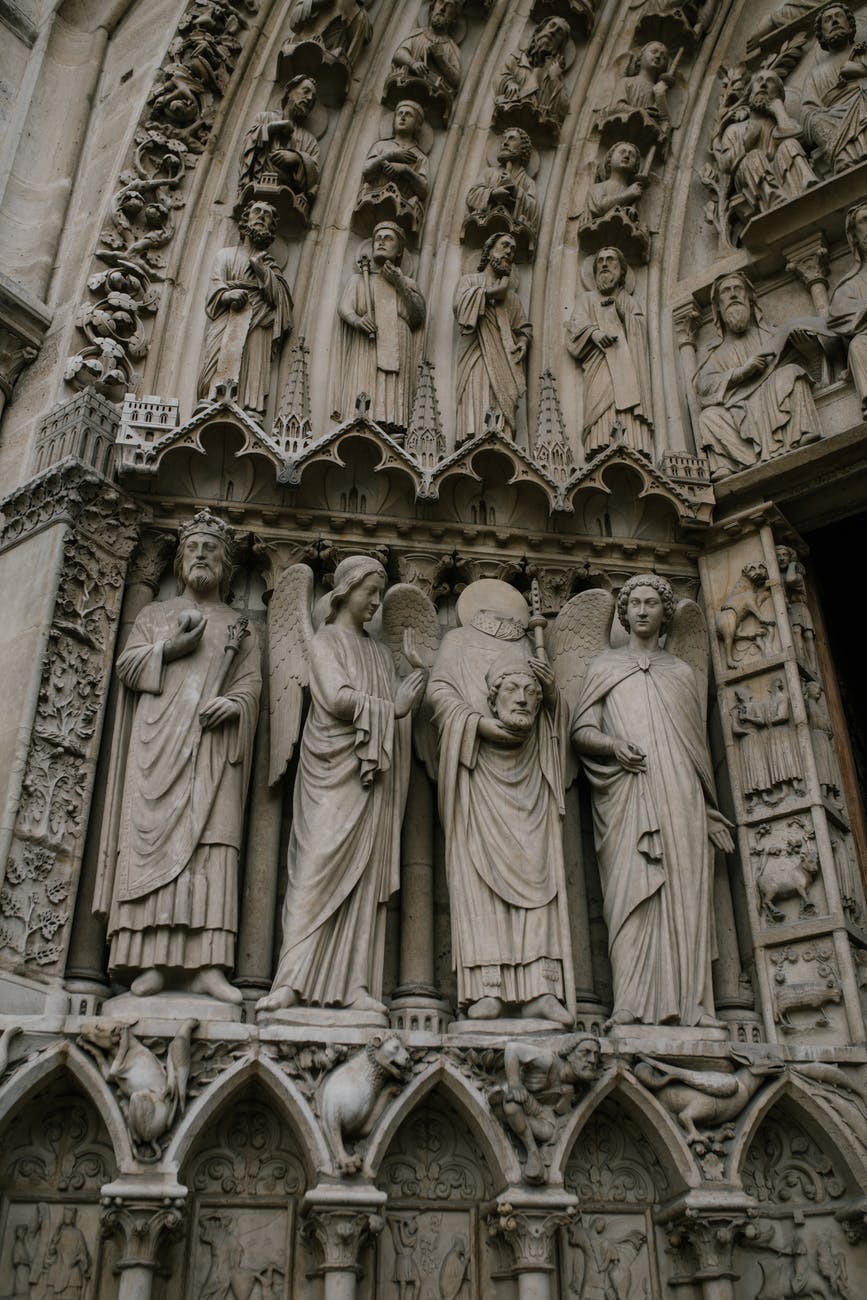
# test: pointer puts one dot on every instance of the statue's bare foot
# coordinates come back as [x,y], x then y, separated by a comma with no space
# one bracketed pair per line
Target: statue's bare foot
[706,1021]
[149,982]
[212,982]
[485,1009]
[277,1000]
[618,1018]
[534,1169]
[361,1000]
[546,1007]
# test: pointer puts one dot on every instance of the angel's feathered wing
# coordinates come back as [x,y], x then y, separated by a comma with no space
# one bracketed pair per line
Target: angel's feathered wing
[687,638]
[404,606]
[290,631]
[580,631]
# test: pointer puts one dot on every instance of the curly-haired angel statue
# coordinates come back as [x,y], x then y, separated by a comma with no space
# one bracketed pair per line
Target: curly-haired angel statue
[639,726]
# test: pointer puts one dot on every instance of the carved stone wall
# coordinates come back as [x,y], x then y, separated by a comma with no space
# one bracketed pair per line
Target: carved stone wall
[551,293]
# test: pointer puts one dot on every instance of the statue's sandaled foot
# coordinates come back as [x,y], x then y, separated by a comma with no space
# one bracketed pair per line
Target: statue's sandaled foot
[149,982]
[361,1000]
[621,1017]
[213,983]
[534,1169]
[546,1007]
[277,1000]
[485,1009]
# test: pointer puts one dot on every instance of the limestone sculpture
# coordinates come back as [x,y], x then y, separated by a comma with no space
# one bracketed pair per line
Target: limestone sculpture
[746,623]
[500,719]
[539,1090]
[426,66]
[327,38]
[639,107]
[755,397]
[835,94]
[395,176]
[382,311]
[280,158]
[611,214]
[793,575]
[607,335]
[531,92]
[350,789]
[761,149]
[848,307]
[822,734]
[176,790]
[639,727]
[495,336]
[504,197]
[353,1096]
[706,1099]
[770,767]
[250,309]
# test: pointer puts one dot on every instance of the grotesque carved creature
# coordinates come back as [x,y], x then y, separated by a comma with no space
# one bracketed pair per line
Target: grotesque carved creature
[353,1096]
[744,603]
[151,1093]
[811,995]
[708,1098]
[787,872]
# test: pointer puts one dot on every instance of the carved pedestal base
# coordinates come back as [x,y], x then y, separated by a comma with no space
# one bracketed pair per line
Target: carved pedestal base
[170,1006]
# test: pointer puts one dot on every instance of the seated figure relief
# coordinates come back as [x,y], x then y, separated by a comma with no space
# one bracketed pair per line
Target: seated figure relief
[504,197]
[639,108]
[579,14]
[611,213]
[280,157]
[327,38]
[752,386]
[394,183]
[531,92]
[426,66]
[847,313]
[834,95]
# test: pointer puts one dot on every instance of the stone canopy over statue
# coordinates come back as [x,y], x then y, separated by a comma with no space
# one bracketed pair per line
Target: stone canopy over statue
[168,880]
[639,726]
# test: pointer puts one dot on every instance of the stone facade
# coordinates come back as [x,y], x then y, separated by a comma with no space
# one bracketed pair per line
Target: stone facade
[432,848]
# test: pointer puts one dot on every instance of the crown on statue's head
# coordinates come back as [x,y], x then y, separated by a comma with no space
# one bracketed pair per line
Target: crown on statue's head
[205,522]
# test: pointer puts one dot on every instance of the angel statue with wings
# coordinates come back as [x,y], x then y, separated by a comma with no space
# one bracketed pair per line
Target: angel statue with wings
[351,784]
[640,728]
[502,720]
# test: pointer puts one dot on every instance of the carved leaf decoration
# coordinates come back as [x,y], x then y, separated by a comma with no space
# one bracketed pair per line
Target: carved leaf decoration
[785,1166]
[435,1158]
[61,1146]
[580,631]
[612,1161]
[290,631]
[251,1153]
[687,638]
[788,56]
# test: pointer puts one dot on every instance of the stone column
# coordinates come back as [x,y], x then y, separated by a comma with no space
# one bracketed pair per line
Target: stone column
[589,1008]
[144,1226]
[85,973]
[687,319]
[339,1222]
[808,259]
[707,1238]
[530,1227]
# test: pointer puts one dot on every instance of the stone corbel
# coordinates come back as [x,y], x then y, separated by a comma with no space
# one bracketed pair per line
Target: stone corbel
[339,1222]
[143,1224]
[24,322]
[530,1226]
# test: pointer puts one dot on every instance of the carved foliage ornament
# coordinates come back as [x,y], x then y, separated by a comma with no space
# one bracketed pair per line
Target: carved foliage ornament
[174,129]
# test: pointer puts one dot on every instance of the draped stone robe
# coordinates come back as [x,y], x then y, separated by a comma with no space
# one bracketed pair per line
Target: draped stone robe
[651,832]
[175,811]
[501,811]
[489,374]
[384,367]
[617,378]
[344,848]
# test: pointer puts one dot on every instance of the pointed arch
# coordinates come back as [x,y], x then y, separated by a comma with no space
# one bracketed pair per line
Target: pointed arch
[292,1107]
[61,1061]
[656,1125]
[444,1078]
[823,1124]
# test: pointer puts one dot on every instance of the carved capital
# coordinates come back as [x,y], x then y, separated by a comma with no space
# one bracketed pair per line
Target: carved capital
[531,1232]
[339,1232]
[150,558]
[74,494]
[687,319]
[142,1226]
[276,556]
[424,569]
[702,1243]
[808,259]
